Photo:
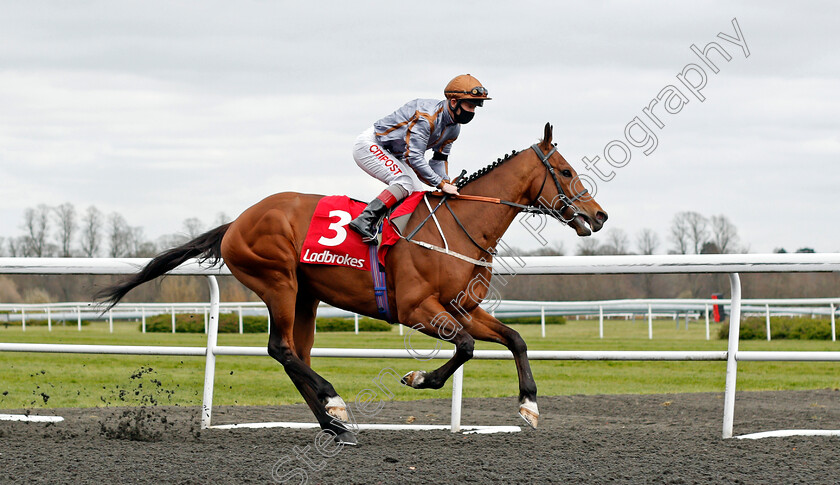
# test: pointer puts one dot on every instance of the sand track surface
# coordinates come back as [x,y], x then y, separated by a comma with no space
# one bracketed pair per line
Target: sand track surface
[664,438]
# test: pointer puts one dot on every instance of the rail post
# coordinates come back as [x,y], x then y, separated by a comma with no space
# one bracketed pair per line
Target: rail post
[457,391]
[356,323]
[23,319]
[542,320]
[210,358]
[833,334]
[79,318]
[767,318]
[241,326]
[650,322]
[173,318]
[110,321]
[143,318]
[601,321]
[707,321]
[732,354]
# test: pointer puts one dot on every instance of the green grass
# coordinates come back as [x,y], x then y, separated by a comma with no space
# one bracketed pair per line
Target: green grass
[71,380]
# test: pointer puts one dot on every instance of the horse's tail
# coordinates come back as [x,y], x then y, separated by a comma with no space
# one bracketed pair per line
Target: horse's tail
[207,246]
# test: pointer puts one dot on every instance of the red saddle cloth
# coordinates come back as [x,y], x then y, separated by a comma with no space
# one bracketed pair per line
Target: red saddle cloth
[330,241]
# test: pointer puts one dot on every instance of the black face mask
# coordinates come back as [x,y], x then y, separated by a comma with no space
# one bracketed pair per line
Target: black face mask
[464,116]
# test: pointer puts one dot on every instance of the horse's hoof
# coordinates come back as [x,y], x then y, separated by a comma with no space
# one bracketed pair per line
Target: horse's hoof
[529,412]
[414,378]
[346,438]
[337,408]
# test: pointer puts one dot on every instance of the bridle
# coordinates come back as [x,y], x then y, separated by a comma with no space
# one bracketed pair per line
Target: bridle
[561,194]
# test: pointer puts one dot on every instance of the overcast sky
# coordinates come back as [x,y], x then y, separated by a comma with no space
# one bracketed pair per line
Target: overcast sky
[162,111]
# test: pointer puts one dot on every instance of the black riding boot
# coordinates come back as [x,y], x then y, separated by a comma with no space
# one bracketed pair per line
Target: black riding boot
[366,223]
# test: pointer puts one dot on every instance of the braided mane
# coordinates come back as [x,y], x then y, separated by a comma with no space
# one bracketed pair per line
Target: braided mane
[484,171]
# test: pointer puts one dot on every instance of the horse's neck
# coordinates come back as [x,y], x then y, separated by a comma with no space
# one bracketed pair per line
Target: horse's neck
[487,222]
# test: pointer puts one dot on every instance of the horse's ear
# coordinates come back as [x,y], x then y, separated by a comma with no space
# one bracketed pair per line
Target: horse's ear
[546,141]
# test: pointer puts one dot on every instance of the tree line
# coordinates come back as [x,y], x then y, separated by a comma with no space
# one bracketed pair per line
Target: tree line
[689,233]
[61,231]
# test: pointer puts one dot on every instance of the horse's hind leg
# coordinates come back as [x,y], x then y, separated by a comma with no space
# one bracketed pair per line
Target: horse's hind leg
[316,391]
[306,308]
[484,326]
[433,320]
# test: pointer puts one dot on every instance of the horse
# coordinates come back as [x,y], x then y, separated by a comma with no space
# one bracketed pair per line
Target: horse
[425,287]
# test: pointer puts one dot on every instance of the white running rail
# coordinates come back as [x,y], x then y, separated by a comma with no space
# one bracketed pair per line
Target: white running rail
[732,264]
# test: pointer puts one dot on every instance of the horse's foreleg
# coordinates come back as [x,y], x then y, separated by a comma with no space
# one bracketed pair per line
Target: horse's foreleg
[484,326]
[432,319]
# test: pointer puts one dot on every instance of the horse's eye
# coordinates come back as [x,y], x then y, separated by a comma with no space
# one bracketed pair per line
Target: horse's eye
[567,173]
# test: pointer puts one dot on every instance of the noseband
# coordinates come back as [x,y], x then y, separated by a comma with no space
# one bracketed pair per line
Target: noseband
[561,194]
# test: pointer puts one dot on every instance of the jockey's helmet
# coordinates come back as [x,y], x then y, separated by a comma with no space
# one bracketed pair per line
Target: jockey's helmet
[465,87]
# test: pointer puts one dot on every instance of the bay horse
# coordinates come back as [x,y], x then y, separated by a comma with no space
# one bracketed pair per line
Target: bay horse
[262,249]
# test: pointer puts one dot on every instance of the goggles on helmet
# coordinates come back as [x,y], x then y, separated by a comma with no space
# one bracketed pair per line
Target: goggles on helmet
[476,91]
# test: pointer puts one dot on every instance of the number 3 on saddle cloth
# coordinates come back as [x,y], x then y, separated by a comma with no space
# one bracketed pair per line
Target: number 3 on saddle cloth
[329,240]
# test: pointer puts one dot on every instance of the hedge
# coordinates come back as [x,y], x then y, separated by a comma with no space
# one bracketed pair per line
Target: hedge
[194,323]
[549,320]
[229,323]
[799,328]
[336,324]
[43,323]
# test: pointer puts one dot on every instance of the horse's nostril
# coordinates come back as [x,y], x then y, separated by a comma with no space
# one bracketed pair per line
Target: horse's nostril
[601,216]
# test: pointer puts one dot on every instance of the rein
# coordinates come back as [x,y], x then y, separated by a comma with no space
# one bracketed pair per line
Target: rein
[530,209]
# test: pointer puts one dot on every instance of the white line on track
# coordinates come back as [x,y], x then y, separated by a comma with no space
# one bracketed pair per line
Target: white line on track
[386,427]
[790,432]
[30,418]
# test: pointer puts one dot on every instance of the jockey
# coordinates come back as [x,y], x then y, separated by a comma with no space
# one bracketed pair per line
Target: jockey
[392,150]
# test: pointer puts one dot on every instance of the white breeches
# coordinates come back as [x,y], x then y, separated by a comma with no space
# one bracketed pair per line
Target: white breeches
[382,165]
